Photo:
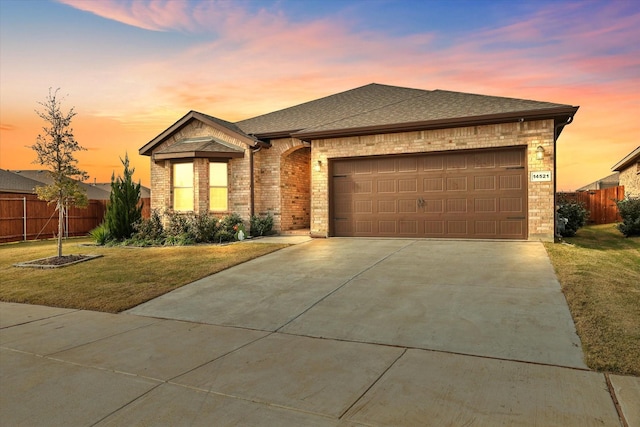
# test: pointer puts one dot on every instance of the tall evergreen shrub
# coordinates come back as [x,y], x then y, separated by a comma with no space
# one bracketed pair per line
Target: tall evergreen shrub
[124,208]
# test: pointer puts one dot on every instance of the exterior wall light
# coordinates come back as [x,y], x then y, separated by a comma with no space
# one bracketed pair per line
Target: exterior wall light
[318,166]
[540,152]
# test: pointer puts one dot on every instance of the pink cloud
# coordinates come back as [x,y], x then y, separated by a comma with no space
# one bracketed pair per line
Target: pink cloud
[256,63]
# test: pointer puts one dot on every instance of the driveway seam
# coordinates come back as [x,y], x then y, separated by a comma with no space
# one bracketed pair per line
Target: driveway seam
[361,272]
[42,318]
[382,374]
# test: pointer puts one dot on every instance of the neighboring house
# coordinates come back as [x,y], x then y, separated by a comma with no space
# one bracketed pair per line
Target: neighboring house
[11,182]
[612,180]
[95,191]
[43,178]
[145,192]
[629,169]
[373,161]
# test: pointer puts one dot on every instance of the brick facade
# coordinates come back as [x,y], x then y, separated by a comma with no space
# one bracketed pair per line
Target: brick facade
[530,134]
[286,185]
[238,169]
[295,185]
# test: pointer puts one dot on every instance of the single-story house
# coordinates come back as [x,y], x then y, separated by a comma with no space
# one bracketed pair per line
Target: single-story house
[95,191]
[375,161]
[629,169]
[608,181]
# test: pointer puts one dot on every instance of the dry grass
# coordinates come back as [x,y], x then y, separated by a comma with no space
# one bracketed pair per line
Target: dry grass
[121,279]
[600,276]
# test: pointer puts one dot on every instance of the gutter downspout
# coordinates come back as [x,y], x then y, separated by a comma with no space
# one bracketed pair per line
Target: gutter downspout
[555,175]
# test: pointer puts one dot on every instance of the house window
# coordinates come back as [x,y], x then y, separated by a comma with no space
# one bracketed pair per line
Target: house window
[218,187]
[183,187]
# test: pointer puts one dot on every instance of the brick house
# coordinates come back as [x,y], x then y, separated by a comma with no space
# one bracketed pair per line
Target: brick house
[377,160]
[629,169]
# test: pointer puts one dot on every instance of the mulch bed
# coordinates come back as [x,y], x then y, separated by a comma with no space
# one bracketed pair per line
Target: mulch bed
[56,261]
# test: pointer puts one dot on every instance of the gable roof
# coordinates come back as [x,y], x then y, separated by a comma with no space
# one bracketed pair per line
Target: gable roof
[612,180]
[206,146]
[376,108]
[145,192]
[224,126]
[327,110]
[11,182]
[627,161]
[43,177]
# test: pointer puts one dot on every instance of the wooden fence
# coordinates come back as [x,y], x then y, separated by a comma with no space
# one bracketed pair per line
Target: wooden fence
[41,219]
[601,204]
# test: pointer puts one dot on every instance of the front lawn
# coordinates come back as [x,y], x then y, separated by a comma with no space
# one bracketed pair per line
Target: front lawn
[121,279]
[599,271]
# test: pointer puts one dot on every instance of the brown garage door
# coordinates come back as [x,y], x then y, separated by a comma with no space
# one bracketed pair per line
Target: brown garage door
[473,194]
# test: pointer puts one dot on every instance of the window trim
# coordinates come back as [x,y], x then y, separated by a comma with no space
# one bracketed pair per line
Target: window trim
[174,187]
[226,187]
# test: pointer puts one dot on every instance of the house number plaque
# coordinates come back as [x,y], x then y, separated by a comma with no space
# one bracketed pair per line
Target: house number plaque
[541,176]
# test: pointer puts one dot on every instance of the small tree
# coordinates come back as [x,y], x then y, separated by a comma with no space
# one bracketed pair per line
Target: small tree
[55,149]
[124,209]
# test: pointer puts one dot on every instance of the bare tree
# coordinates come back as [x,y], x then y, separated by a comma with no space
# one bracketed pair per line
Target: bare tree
[55,148]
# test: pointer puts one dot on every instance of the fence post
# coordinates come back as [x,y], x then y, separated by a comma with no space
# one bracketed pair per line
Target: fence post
[24,218]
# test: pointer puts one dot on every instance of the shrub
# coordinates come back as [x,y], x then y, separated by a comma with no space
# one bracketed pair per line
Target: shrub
[177,224]
[148,232]
[226,231]
[629,209]
[100,234]
[124,208]
[185,229]
[575,215]
[261,226]
[203,228]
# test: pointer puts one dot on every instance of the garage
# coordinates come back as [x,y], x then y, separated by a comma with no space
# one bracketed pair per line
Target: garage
[463,194]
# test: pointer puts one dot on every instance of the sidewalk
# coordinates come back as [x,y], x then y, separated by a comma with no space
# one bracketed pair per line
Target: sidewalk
[331,332]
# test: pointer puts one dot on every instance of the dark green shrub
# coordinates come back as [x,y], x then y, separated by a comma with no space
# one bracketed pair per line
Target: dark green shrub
[629,209]
[183,239]
[575,215]
[177,224]
[124,208]
[261,225]
[100,234]
[203,228]
[148,232]
[185,229]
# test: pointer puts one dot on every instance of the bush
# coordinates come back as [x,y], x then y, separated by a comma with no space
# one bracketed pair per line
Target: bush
[185,229]
[629,209]
[203,228]
[261,226]
[575,216]
[124,208]
[177,224]
[100,234]
[226,231]
[148,232]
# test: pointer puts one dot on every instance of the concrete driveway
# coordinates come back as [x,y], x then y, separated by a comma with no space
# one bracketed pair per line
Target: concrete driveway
[493,299]
[332,332]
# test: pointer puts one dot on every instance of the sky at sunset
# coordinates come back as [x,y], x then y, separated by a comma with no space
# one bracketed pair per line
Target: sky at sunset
[131,68]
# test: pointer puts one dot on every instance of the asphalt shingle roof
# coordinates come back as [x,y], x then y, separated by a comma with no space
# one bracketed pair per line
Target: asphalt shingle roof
[328,109]
[15,183]
[203,144]
[376,105]
[42,177]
